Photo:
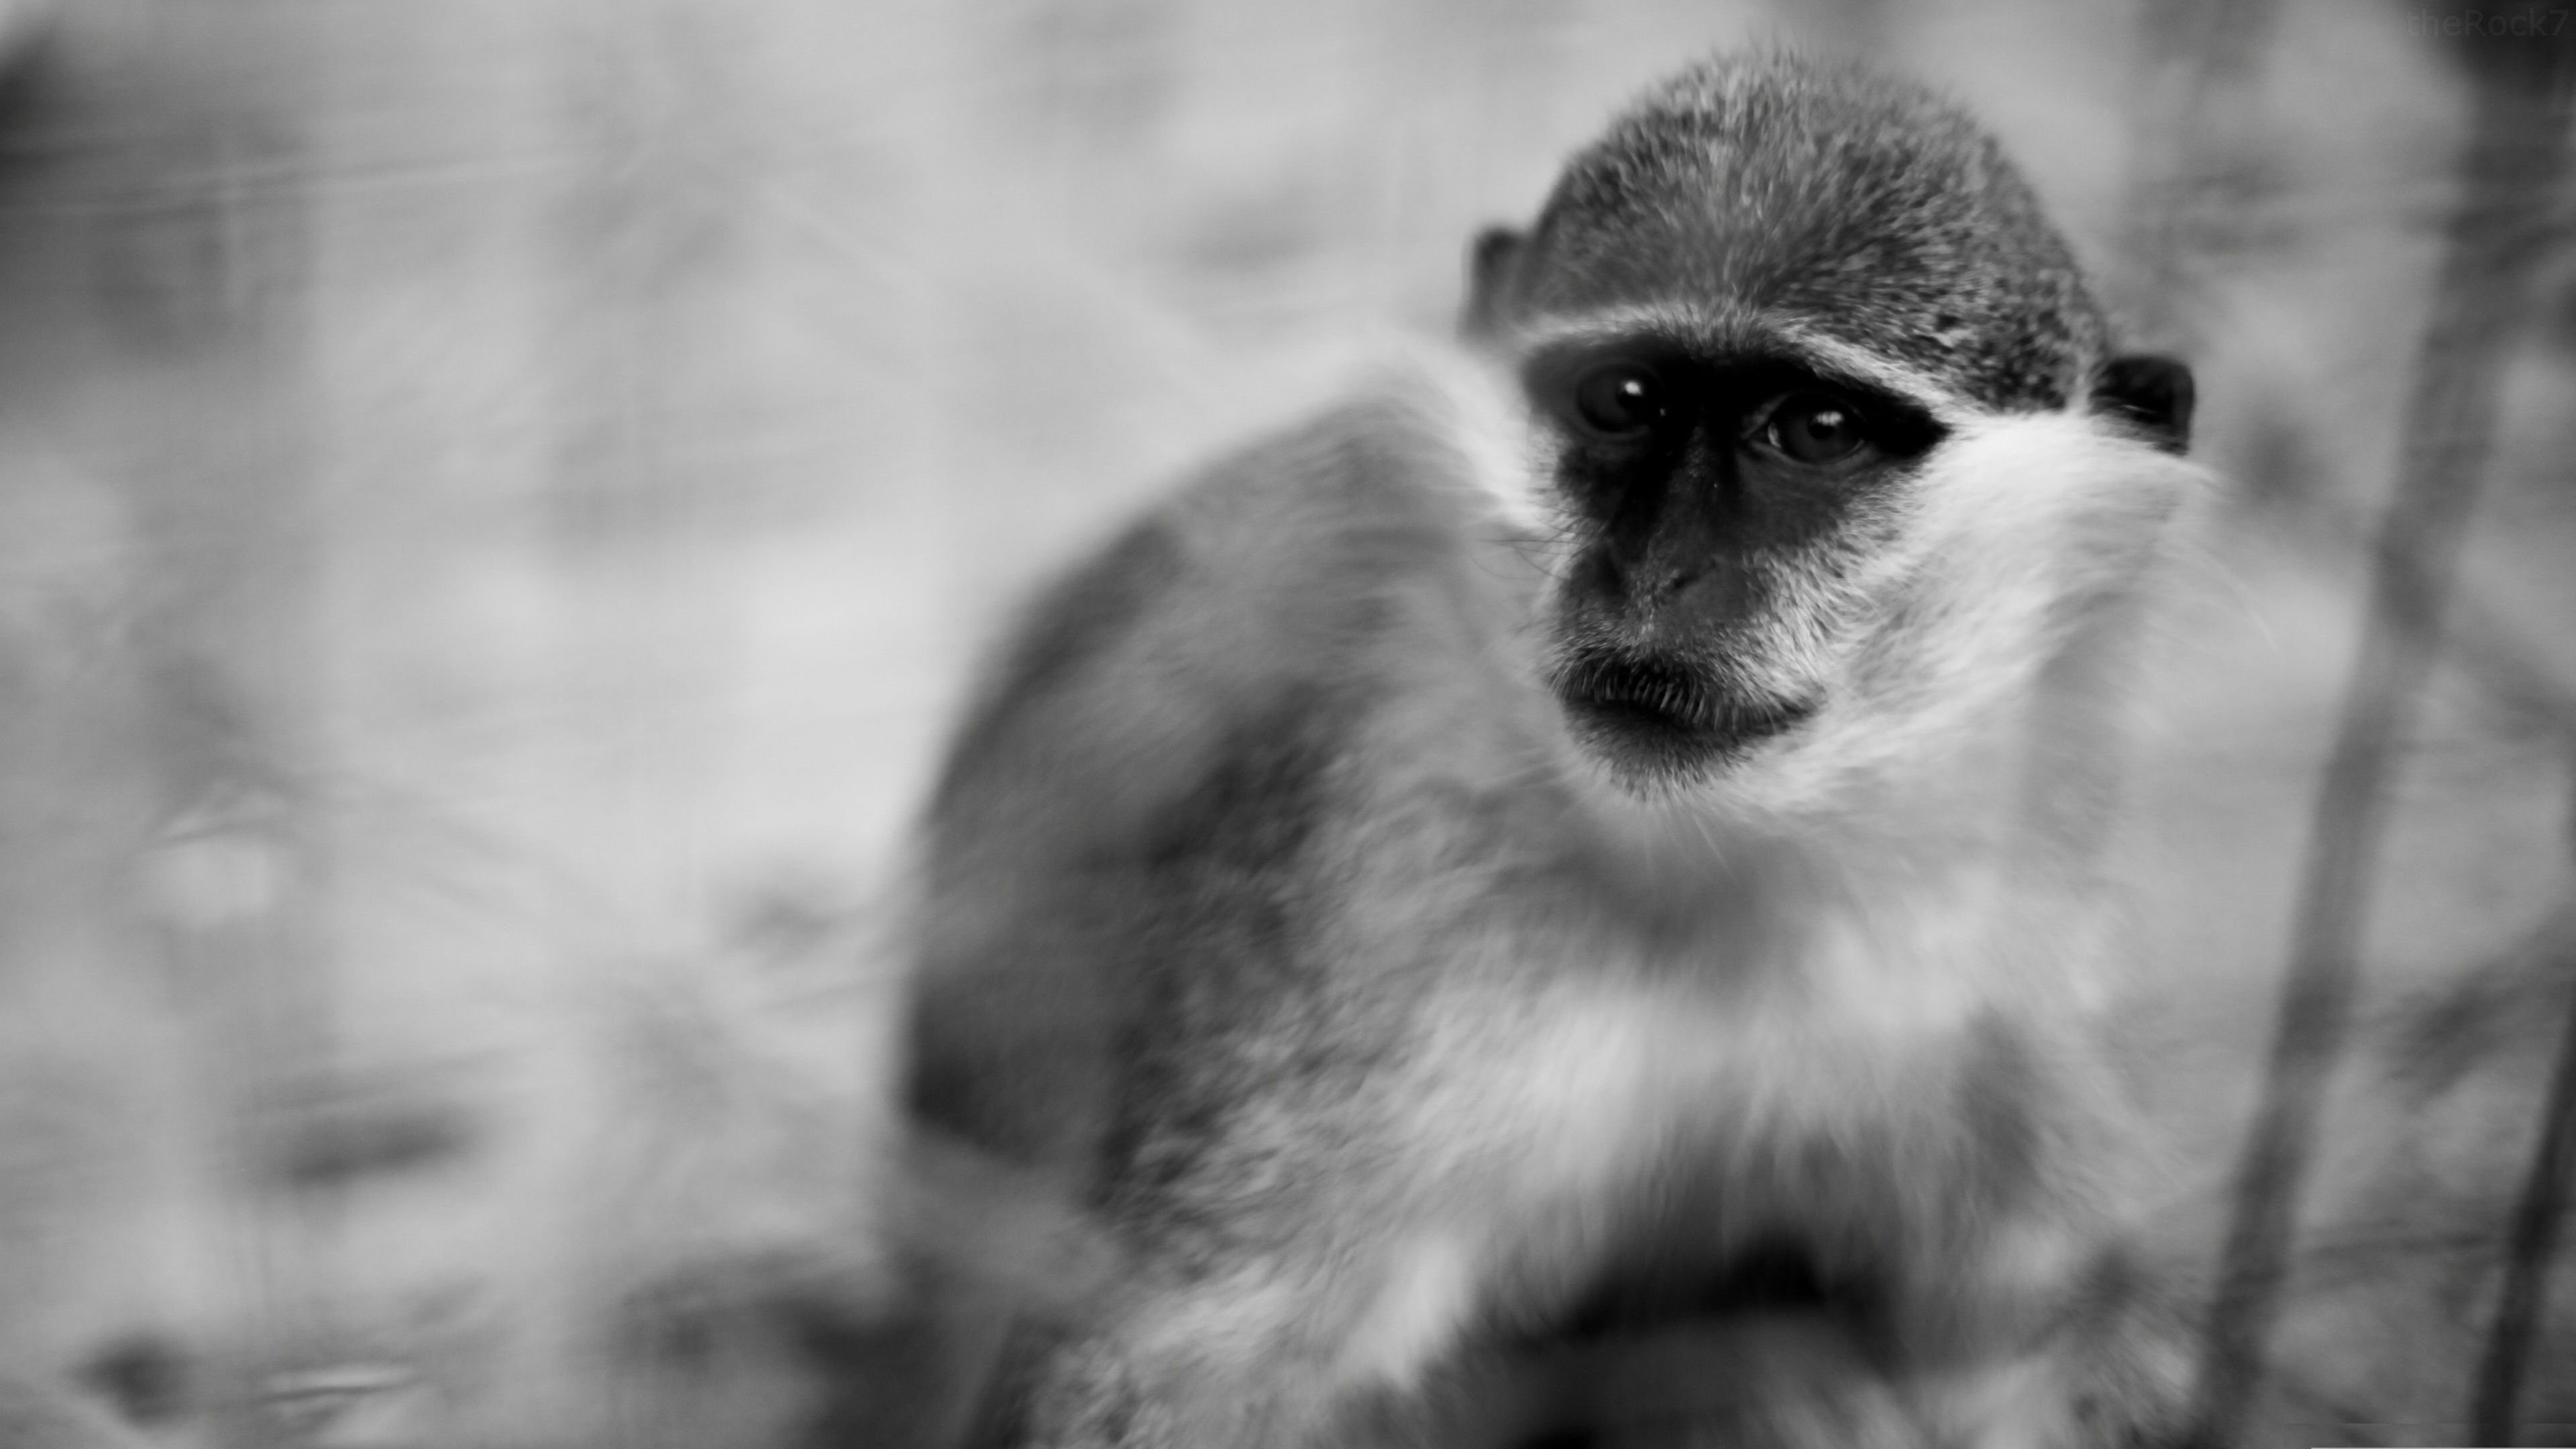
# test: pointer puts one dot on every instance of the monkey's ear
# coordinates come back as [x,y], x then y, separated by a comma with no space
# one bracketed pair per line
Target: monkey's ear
[1491,259]
[2152,393]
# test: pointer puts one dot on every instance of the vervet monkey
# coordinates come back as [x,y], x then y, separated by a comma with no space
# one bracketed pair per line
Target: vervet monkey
[1601,826]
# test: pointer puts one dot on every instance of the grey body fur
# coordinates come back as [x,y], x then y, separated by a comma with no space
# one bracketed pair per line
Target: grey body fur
[1283,909]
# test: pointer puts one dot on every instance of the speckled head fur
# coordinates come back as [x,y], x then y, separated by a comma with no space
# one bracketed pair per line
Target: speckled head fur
[1822,199]
[1796,342]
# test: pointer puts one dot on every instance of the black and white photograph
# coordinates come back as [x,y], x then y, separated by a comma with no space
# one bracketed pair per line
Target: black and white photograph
[1225,724]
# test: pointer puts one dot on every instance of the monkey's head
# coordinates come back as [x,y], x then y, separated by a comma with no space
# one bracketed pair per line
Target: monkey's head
[1829,427]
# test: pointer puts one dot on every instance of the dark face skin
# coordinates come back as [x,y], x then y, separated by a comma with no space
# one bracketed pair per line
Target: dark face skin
[1720,484]
[1684,312]
[1714,499]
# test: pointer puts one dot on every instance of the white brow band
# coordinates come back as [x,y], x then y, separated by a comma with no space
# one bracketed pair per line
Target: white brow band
[1833,354]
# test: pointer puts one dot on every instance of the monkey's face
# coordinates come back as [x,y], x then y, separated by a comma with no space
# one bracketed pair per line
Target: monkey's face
[1768,551]
[1720,512]
[1826,425]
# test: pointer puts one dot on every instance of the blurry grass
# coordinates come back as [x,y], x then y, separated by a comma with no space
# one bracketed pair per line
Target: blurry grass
[497,501]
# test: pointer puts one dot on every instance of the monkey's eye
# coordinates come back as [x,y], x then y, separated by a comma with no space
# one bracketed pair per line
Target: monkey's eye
[1814,427]
[1620,400]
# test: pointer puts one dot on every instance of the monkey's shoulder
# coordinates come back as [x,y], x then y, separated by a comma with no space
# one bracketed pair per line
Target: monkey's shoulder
[1160,757]
[1287,587]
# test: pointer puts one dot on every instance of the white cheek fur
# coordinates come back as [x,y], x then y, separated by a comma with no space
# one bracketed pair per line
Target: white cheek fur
[2017,526]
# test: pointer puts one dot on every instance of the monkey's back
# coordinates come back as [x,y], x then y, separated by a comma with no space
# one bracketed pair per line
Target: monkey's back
[1140,880]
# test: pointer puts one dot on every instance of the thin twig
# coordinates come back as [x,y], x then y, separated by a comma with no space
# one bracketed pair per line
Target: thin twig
[2492,245]
[2492,651]
[2532,1243]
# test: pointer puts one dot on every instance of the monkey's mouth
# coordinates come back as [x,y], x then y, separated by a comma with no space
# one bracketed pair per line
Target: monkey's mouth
[1660,715]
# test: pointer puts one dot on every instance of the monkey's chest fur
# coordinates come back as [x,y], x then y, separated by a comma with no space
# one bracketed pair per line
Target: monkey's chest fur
[1270,906]
[1618,1103]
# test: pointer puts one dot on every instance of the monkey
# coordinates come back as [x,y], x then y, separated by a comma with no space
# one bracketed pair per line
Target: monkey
[1601,824]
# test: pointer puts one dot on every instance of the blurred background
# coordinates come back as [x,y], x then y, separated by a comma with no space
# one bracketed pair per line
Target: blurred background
[499,500]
